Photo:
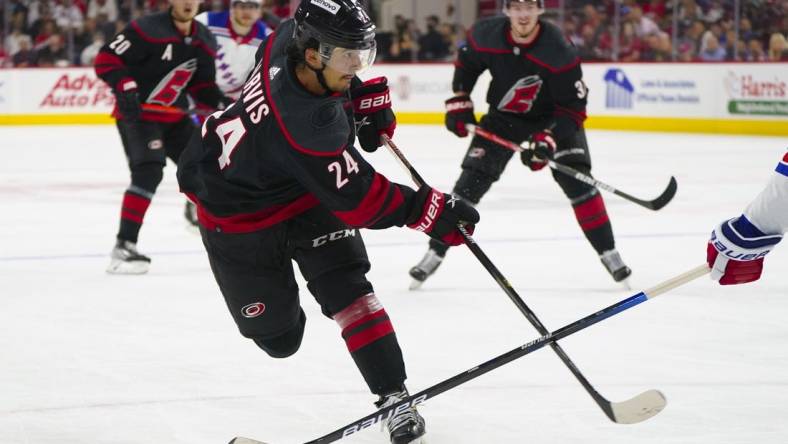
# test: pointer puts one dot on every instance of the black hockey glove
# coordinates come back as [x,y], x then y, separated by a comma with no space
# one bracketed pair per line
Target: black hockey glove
[437,214]
[127,100]
[542,147]
[459,112]
[372,112]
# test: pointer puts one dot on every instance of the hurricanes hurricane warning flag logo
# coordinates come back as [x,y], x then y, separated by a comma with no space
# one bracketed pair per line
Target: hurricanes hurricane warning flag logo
[521,97]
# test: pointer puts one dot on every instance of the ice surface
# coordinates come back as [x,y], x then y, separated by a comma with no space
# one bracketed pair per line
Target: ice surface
[91,358]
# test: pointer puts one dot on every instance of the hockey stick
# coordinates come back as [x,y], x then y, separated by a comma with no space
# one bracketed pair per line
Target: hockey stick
[623,412]
[498,361]
[655,204]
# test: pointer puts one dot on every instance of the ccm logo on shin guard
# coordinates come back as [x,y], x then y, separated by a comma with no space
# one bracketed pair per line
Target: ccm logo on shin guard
[355,428]
[253,310]
[428,219]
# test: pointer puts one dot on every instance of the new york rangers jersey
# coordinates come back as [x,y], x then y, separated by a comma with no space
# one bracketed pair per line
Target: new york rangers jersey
[769,210]
[235,58]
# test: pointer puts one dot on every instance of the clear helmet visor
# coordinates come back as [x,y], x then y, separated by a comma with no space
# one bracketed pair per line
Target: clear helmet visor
[347,61]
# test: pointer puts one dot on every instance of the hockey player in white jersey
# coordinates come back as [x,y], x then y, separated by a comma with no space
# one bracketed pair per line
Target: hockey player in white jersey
[238,32]
[737,246]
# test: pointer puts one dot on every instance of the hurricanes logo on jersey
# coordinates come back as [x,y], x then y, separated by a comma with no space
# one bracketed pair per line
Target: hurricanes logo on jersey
[521,97]
[169,88]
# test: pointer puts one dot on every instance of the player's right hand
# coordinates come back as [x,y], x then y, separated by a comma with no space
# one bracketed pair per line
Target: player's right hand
[438,214]
[736,251]
[459,112]
[542,147]
[128,100]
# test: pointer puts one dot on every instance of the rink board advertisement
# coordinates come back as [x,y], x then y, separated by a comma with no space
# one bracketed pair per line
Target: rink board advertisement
[718,97]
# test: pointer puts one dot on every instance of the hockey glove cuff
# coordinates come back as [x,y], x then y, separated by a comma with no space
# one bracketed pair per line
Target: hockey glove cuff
[736,251]
[128,100]
[542,148]
[459,112]
[372,112]
[438,214]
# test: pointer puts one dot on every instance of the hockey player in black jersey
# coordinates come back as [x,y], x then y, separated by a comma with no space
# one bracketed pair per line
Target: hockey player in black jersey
[276,178]
[536,94]
[151,65]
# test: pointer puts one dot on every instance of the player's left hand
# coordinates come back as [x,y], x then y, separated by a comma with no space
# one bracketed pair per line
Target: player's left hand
[542,146]
[437,214]
[736,251]
[372,112]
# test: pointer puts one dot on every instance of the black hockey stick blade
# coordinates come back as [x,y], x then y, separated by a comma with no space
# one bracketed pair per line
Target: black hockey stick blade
[663,198]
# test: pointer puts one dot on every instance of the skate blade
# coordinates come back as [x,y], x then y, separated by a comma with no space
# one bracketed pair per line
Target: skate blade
[415,284]
[128,268]
[625,284]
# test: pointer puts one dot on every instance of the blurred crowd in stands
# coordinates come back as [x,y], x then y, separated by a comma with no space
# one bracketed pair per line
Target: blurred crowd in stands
[70,32]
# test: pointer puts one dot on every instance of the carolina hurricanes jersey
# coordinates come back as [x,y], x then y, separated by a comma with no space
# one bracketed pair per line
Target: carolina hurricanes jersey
[164,64]
[769,210]
[539,83]
[235,56]
[279,150]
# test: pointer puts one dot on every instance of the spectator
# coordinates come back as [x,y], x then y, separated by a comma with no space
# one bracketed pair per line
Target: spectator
[655,9]
[88,55]
[25,56]
[403,45]
[642,25]
[44,28]
[4,57]
[269,17]
[67,15]
[630,44]
[712,51]
[777,48]
[756,52]
[690,41]
[13,41]
[53,53]
[106,8]
[432,45]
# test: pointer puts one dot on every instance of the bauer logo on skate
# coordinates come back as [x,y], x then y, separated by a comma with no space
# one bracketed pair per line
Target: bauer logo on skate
[355,428]
[253,310]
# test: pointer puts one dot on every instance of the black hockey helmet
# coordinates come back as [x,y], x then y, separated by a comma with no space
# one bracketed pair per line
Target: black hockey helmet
[340,23]
[340,30]
[539,3]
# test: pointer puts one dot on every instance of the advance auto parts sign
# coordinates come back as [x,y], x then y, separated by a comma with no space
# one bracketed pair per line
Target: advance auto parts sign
[757,93]
[77,91]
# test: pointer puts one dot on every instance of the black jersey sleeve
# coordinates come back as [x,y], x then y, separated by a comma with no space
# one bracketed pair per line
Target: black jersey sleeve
[569,94]
[351,188]
[467,69]
[126,48]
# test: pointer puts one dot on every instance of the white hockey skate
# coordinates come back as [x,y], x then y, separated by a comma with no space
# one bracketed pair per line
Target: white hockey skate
[616,267]
[405,427]
[425,268]
[125,259]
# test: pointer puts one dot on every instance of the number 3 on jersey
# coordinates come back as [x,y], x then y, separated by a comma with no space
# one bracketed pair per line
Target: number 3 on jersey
[350,165]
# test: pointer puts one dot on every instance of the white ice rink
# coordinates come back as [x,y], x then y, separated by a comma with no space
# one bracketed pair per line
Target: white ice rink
[90,358]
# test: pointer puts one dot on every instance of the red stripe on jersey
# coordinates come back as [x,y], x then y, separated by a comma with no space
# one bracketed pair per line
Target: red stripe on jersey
[553,70]
[249,222]
[395,203]
[591,213]
[370,334]
[578,117]
[106,62]
[195,42]
[785,158]
[278,116]
[478,48]
[370,205]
